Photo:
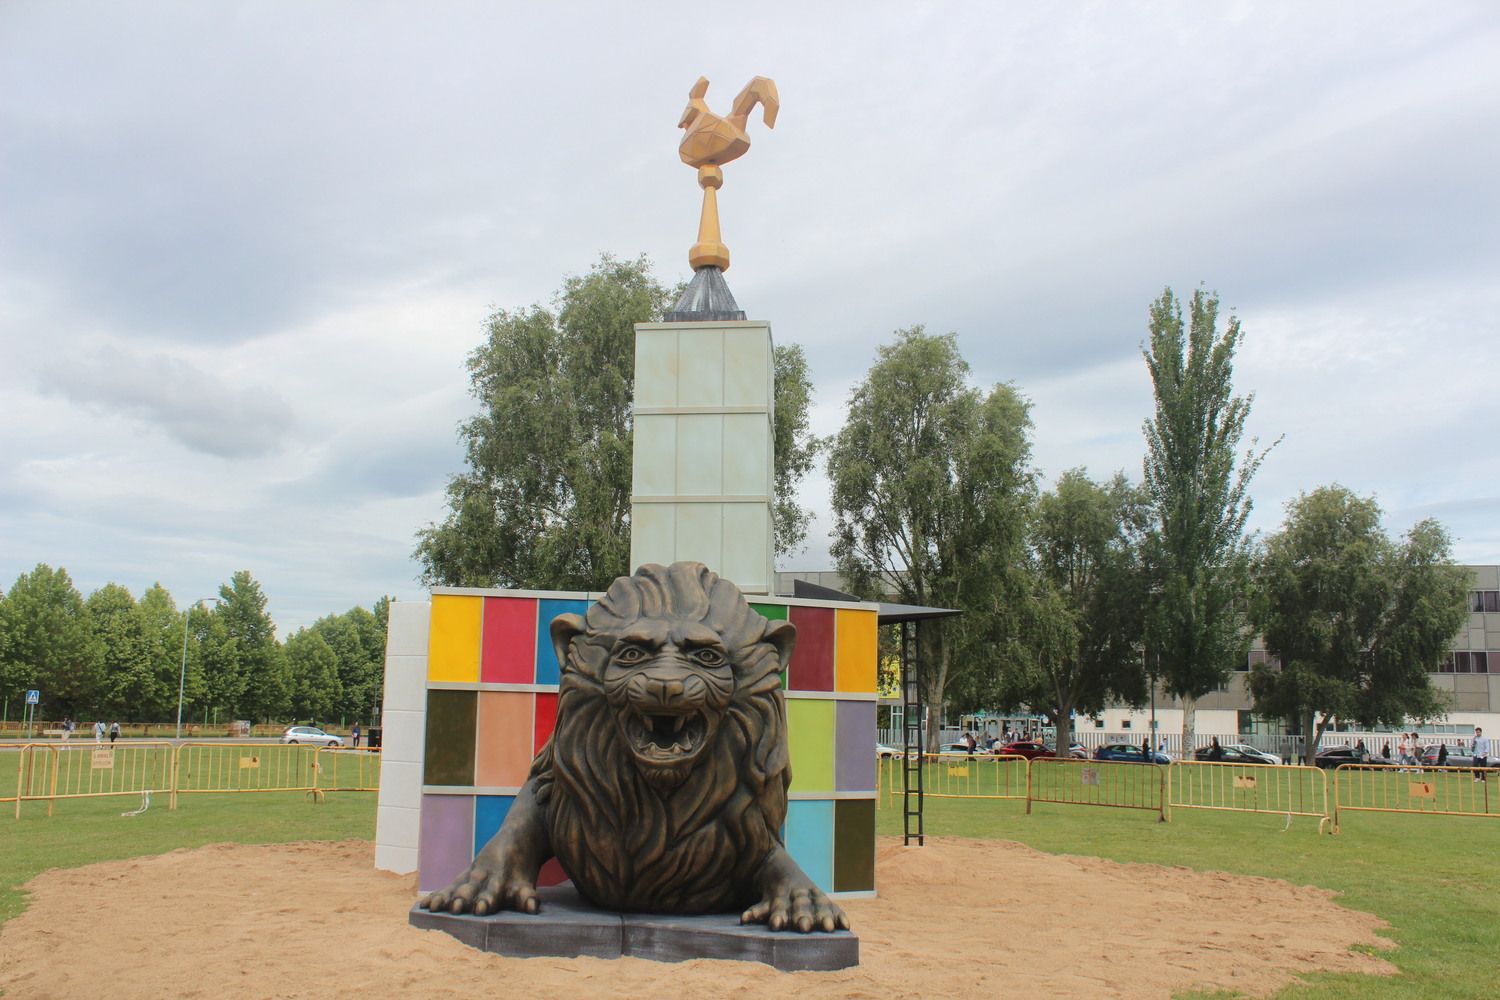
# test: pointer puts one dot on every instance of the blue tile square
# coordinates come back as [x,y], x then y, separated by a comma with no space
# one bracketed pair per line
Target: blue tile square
[547,669]
[489,813]
[809,838]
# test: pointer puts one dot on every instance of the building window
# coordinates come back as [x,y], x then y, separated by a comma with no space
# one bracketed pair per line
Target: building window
[1484,600]
[1479,660]
[1125,724]
[1446,667]
[1461,662]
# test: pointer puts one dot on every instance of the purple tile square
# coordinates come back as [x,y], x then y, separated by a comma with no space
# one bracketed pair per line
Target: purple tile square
[446,841]
[855,736]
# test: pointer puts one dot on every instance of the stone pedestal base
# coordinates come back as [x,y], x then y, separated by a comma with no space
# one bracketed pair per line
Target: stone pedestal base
[569,927]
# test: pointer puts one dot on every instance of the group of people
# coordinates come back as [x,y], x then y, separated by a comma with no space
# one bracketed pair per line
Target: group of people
[1409,752]
[100,730]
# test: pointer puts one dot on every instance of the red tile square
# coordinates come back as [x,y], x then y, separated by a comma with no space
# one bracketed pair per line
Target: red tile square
[812,658]
[508,655]
[546,719]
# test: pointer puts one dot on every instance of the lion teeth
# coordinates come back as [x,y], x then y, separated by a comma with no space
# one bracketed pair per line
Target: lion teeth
[681,721]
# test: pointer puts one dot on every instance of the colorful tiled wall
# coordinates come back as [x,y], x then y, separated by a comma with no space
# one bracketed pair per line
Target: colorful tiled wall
[492,680]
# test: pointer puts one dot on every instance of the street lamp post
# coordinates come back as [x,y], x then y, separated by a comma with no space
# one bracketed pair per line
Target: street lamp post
[187,614]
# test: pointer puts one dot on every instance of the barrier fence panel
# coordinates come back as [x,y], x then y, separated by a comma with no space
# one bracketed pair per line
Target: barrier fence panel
[957,776]
[88,770]
[10,771]
[341,770]
[1290,790]
[244,767]
[1442,791]
[1097,783]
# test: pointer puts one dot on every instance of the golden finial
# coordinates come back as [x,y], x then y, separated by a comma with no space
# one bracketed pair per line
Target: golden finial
[708,143]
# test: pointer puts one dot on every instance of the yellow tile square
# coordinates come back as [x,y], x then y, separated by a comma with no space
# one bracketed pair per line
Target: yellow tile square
[855,649]
[453,641]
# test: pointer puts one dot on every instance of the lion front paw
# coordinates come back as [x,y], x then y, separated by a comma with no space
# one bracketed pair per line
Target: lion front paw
[801,908]
[484,889]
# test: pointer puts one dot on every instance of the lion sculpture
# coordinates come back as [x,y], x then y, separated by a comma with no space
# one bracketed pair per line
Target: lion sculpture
[664,785]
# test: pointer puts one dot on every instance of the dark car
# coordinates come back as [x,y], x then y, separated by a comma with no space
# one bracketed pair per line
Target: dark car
[1334,756]
[1456,757]
[1236,753]
[1129,753]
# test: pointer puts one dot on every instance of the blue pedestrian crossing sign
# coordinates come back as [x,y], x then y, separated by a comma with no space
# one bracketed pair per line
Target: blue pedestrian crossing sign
[33,697]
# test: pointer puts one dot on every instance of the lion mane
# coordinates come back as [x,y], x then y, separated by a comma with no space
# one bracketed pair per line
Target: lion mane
[629,843]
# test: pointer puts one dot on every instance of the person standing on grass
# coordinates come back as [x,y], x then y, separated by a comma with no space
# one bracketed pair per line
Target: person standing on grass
[114,732]
[1481,753]
[354,735]
[99,731]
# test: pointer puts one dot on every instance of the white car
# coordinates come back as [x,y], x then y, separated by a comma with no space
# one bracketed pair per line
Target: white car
[312,735]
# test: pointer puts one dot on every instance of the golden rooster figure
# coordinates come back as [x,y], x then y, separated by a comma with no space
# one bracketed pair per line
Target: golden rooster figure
[708,143]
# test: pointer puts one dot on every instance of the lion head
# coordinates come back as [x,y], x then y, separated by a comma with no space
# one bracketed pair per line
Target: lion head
[666,775]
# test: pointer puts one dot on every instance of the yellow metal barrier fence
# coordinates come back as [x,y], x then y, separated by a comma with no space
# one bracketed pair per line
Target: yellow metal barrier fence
[89,770]
[339,770]
[1066,781]
[10,772]
[50,771]
[1441,791]
[1290,790]
[956,776]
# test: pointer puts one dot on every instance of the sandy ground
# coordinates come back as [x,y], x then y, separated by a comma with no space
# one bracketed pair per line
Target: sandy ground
[958,918]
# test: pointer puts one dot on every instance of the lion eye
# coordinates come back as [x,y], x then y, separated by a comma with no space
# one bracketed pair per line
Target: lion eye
[631,654]
[709,657]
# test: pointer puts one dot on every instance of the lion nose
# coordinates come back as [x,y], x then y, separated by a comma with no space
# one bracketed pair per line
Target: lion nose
[664,691]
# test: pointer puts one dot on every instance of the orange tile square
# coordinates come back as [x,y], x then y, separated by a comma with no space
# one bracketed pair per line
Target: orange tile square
[502,749]
[855,650]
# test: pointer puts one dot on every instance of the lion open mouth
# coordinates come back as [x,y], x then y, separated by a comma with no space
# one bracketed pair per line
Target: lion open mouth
[665,737]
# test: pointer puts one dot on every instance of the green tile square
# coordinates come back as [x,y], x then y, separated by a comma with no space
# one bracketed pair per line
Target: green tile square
[810,736]
[449,758]
[854,845]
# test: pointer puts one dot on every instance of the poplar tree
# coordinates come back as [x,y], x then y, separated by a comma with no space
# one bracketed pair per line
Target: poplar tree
[1197,482]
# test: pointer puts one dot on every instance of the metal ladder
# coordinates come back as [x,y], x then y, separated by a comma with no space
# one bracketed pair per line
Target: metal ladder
[911,721]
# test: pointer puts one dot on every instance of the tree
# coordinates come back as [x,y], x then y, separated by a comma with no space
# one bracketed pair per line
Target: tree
[931,485]
[1357,620]
[161,624]
[1082,621]
[248,643]
[127,681]
[314,667]
[545,499]
[1198,485]
[48,642]
[357,641]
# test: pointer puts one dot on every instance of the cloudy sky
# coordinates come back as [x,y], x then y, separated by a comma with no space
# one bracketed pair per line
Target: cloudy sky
[245,247]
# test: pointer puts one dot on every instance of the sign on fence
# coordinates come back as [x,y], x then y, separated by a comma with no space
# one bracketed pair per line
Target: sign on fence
[1244,781]
[103,760]
[249,763]
[1089,775]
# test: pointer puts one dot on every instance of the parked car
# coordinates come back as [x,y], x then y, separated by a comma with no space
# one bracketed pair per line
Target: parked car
[1456,757]
[962,748]
[310,734]
[1130,753]
[1334,756]
[1030,749]
[1078,751]
[1238,753]
[882,751]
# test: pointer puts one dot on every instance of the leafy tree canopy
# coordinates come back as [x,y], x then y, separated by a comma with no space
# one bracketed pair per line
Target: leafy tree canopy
[931,485]
[1197,483]
[1081,621]
[545,498]
[1356,619]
